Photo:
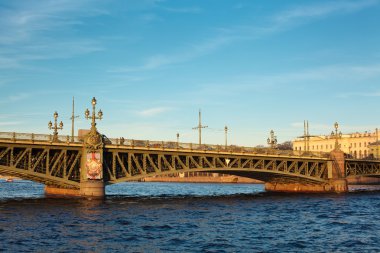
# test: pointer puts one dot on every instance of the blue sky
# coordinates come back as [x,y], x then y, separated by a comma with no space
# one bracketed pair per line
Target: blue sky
[251,65]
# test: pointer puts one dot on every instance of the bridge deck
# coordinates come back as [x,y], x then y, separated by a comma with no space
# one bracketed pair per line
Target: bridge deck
[38,158]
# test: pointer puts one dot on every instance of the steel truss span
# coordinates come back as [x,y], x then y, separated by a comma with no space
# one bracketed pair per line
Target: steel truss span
[50,165]
[128,165]
[58,164]
[362,168]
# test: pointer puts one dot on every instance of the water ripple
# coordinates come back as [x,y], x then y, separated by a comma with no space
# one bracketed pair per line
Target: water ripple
[152,217]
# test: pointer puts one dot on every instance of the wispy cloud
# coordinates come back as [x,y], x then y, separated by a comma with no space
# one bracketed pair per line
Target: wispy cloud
[28,30]
[20,115]
[359,94]
[318,126]
[281,22]
[162,60]
[19,97]
[192,10]
[10,123]
[238,6]
[320,10]
[329,72]
[153,111]
[326,129]
[340,74]
[16,97]
[6,81]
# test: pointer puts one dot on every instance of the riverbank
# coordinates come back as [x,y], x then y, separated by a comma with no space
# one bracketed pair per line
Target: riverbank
[204,179]
[8,177]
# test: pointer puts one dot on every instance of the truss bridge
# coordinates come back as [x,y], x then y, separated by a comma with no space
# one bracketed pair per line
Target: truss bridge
[84,165]
[58,164]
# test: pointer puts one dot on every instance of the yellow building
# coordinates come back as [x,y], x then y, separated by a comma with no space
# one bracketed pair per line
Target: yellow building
[374,150]
[355,144]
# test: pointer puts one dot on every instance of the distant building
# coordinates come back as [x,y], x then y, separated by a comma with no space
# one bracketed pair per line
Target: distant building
[374,150]
[356,144]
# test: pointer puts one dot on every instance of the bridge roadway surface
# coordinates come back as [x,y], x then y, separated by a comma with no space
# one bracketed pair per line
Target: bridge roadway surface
[58,164]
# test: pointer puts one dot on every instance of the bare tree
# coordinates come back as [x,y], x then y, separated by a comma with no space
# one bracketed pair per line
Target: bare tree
[287,145]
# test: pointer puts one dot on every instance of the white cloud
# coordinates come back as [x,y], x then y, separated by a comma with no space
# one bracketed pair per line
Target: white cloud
[239,6]
[163,60]
[5,81]
[191,10]
[320,10]
[10,123]
[28,28]
[225,36]
[359,94]
[8,63]
[19,97]
[325,129]
[153,111]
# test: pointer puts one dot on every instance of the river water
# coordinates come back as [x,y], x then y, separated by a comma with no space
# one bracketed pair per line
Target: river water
[170,217]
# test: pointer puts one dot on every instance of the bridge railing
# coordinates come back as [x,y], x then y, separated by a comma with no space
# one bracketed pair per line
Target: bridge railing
[28,137]
[13,136]
[207,147]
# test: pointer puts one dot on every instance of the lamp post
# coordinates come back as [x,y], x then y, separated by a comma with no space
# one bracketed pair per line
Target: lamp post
[225,136]
[93,116]
[336,135]
[92,181]
[55,127]
[272,140]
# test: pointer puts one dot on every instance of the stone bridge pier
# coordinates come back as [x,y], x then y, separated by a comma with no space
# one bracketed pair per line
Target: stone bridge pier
[91,171]
[91,166]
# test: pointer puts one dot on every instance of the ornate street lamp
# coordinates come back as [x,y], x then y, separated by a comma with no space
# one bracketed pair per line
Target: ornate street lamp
[55,127]
[93,116]
[272,140]
[336,135]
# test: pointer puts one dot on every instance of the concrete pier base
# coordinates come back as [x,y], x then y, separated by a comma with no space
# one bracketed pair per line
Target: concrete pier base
[336,185]
[88,189]
[339,185]
[359,180]
[92,189]
[52,191]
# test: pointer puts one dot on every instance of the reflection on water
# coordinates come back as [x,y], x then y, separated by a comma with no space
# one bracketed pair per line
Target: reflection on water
[154,217]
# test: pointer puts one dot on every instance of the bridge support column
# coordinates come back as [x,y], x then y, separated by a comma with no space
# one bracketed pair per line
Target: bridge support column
[92,183]
[339,185]
[337,173]
[92,189]
[91,173]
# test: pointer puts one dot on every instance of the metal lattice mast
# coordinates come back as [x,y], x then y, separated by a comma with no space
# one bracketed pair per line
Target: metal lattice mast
[73,117]
[304,135]
[308,135]
[199,127]
[225,136]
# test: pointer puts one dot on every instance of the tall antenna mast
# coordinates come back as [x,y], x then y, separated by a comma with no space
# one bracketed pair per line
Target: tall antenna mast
[73,117]
[199,127]
[304,135]
[225,136]
[308,135]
